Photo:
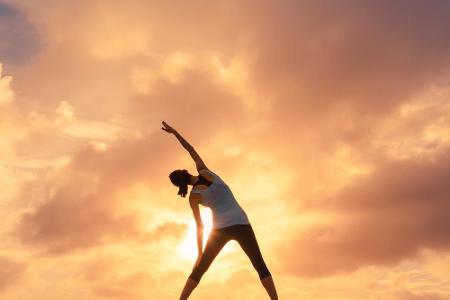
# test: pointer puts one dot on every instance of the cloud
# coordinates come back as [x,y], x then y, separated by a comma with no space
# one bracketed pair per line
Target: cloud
[19,37]
[6,93]
[166,230]
[330,119]
[345,65]
[332,72]
[108,277]
[69,223]
[70,125]
[358,53]
[380,219]
[133,286]
[10,272]
[84,205]
[197,105]
[420,296]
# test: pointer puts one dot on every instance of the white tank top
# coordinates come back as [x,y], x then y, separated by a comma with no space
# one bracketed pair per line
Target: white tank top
[226,211]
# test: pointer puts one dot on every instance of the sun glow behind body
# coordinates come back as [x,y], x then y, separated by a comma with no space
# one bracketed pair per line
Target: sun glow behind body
[188,247]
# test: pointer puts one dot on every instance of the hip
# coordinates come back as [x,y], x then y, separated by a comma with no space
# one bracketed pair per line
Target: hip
[234,231]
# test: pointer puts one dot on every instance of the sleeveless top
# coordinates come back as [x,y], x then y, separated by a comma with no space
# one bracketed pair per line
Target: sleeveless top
[225,209]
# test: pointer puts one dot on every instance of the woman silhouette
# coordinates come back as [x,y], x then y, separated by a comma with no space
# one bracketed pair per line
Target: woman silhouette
[230,222]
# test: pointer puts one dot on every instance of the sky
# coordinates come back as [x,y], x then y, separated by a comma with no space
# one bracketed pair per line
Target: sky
[329,120]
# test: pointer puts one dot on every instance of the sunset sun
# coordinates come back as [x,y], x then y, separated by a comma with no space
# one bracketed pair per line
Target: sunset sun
[187,249]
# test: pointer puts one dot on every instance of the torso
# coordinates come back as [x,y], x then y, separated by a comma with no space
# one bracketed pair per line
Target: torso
[215,194]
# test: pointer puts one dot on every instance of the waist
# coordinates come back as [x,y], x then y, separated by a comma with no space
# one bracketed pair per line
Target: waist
[229,217]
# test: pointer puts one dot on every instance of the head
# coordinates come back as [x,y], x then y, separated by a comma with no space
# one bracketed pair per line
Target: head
[181,179]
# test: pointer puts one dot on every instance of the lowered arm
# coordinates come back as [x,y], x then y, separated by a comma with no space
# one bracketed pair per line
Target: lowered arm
[193,201]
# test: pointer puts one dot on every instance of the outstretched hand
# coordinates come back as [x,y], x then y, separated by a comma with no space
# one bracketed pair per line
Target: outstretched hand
[167,128]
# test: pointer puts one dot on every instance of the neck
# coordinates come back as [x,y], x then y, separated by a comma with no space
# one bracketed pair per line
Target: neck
[193,179]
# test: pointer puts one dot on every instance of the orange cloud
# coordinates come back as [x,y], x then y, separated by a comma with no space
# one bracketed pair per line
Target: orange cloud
[329,121]
[382,218]
[81,208]
[10,272]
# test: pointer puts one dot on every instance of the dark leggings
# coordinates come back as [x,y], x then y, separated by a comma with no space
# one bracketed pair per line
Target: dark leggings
[244,235]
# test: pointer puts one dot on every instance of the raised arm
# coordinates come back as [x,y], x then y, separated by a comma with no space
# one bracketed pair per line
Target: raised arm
[197,159]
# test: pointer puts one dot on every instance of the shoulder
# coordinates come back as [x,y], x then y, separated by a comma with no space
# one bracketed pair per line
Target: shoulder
[207,174]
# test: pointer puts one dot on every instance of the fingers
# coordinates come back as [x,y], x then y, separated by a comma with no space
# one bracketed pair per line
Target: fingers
[167,127]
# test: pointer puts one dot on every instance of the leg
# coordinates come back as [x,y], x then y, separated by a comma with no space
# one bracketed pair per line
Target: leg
[247,240]
[268,284]
[215,243]
[188,288]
